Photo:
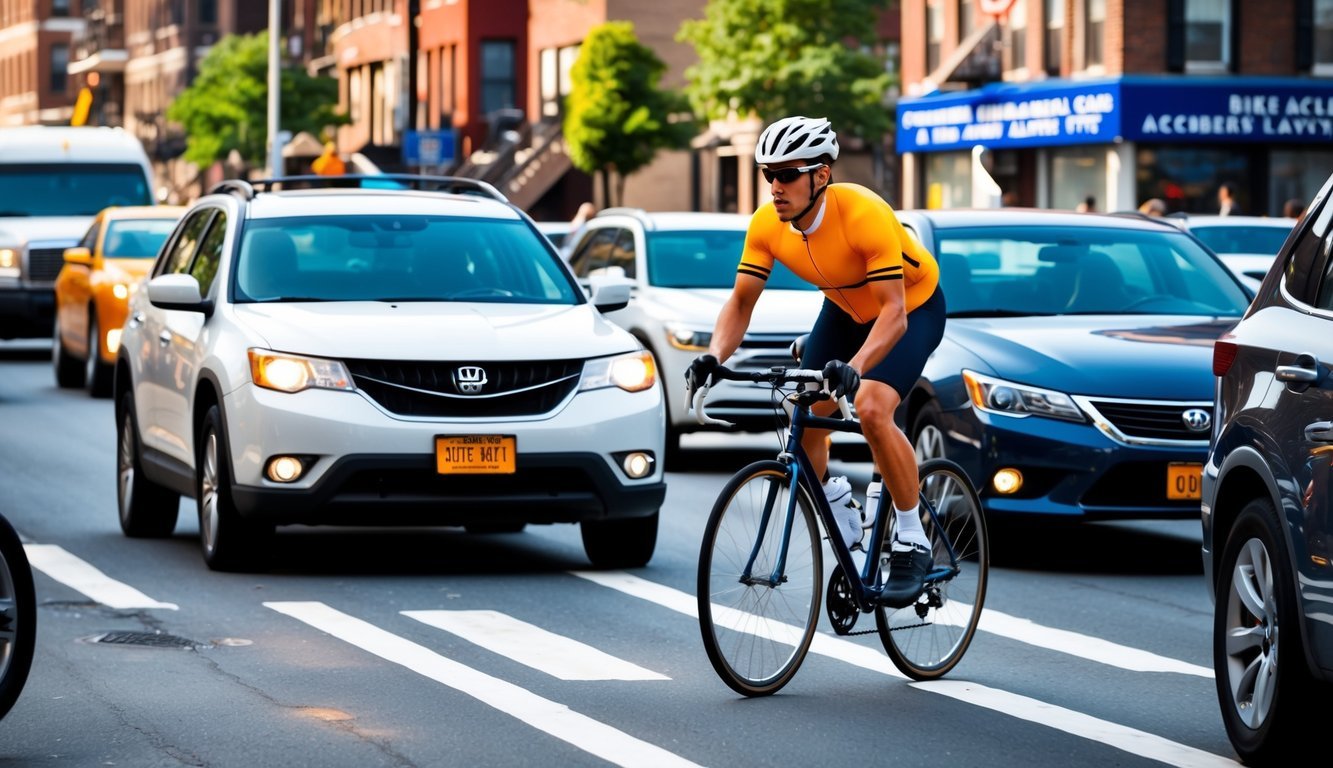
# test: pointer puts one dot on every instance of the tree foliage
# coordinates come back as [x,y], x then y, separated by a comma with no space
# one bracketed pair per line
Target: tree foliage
[616,117]
[775,58]
[226,107]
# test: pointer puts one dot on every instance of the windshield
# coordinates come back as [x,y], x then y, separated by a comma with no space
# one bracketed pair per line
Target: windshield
[706,259]
[70,189]
[136,238]
[399,258]
[1231,239]
[999,271]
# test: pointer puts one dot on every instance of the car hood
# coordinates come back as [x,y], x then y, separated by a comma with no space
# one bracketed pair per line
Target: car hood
[777,311]
[128,270]
[435,330]
[1156,357]
[16,231]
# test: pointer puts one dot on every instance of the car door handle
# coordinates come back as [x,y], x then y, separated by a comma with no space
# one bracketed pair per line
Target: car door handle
[1319,432]
[164,338]
[1304,371]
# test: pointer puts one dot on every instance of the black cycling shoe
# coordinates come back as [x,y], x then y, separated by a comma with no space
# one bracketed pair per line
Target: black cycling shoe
[907,576]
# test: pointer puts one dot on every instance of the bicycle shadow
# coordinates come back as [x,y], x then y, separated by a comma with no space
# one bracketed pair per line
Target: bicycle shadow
[1123,548]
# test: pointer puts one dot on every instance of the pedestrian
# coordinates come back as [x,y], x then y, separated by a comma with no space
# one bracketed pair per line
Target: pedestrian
[1293,208]
[1226,200]
[576,226]
[1088,205]
[1153,206]
[328,163]
[846,240]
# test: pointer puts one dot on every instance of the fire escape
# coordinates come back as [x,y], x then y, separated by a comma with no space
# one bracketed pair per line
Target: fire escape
[523,161]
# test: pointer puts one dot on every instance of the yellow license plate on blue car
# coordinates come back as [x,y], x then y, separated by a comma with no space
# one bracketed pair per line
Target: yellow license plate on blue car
[1184,481]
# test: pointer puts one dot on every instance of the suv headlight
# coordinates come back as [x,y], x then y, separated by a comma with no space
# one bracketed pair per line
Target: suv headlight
[9,262]
[999,396]
[634,372]
[293,373]
[689,339]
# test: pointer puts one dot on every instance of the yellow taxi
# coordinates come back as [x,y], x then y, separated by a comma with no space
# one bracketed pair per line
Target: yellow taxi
[94,286]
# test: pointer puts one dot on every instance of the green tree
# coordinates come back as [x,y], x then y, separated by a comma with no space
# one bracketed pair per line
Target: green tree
[775,58]
[226,107]
[616,117]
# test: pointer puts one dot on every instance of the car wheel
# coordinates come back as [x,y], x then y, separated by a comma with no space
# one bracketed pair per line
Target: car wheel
[624,543]
[928,433]
[69,373]
[147,510]
[1258,660]
[97,374]
[229,541]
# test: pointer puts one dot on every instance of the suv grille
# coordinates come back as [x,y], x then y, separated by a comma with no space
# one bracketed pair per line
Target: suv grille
[1151,421]
[523,388]
[44,264]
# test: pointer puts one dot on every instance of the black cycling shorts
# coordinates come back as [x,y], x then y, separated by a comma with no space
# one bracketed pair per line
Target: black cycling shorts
[836,336]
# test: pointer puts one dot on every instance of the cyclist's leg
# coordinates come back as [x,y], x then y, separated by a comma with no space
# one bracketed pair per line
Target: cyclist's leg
[757,619]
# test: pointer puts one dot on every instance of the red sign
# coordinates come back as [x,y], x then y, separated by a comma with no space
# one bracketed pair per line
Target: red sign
[994,7]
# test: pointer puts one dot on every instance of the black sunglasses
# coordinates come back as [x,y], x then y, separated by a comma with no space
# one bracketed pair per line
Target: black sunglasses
[788,175]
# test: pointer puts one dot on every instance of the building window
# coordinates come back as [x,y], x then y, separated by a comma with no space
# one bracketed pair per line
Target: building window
[966,17]
[208,12]
[1018,35]
[497,75]
[1207,35]
[934,34]
[59,67]
[1055,28]
[59,7]
[1095,34]
[1323,36]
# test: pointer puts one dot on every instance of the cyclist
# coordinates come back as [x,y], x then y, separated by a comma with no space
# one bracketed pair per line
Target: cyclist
[883,315]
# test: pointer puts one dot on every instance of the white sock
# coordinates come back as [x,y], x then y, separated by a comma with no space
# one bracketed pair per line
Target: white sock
[908,528]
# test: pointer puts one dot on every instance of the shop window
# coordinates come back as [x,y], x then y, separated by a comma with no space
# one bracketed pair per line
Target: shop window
[1187,178]
[948,179]
[497,75]
[1077,175]
[1055,28]
[1295,174]
[1094,34]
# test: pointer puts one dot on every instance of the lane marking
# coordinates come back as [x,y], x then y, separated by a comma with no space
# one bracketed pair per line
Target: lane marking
[1085,646]
[558,720]
[556,655]
[81,576]
[1131,740]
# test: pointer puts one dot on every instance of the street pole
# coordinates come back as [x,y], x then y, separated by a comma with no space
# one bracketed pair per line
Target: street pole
[274,87]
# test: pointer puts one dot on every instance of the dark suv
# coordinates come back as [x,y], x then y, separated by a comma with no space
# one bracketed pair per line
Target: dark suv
[1267,511]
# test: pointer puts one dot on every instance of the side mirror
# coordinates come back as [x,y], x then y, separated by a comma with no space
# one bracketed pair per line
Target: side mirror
[79,255]
[610,295]
[178,292]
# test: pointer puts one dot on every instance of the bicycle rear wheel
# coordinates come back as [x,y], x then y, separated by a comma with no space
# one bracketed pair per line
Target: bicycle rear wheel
[757,622]
[928,638]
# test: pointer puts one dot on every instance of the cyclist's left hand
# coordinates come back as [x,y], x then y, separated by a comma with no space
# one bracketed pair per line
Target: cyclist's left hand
[843,380]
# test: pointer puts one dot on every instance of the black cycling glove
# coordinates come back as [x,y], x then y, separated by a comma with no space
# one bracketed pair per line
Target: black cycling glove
[843,380]
[699,372]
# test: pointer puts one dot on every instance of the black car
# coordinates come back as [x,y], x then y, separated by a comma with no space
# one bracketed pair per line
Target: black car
[1266,509]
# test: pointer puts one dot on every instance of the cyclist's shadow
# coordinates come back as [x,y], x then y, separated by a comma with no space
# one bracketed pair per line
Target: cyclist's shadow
[1094,547]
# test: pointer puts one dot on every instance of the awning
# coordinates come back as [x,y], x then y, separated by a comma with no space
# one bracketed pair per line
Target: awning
[109,60]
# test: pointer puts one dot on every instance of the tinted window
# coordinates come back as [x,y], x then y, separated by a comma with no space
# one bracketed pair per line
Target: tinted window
[1266,240]
[182,248]
[706,259]
[593,251]
[205,267]
[1046,270]
[398,258]
[70,189]
[136,238]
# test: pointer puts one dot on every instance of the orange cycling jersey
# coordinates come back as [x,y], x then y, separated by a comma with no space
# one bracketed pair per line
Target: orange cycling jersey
[856,239]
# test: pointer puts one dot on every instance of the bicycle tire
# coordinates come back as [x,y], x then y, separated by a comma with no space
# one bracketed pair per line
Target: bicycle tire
[18,617]
[757,635]
[927,639]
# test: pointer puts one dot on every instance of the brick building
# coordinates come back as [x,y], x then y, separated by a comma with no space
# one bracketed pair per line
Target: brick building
[1119,100]
[36,42]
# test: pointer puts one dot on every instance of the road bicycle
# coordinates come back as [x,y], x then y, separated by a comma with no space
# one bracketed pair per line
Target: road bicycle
[761,561]
[18,616]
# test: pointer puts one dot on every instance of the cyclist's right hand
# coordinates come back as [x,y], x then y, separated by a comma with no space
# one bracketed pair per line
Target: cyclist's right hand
[699,375]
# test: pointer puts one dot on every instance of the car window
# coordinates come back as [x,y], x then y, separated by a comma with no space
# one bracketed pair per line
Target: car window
[1235,239]
[621,255]
[706,259]
[177,259]
[593,251]
[136,238]
[398,258]
[1046,270]
[205,266]
[70,188]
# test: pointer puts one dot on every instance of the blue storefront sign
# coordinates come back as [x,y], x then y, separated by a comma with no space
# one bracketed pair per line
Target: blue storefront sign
[428,147]
[1130,108]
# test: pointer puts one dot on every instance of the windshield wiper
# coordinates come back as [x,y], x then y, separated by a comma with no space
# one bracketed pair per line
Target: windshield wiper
[294,299]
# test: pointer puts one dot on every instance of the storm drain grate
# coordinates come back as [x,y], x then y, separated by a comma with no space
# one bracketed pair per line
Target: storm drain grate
[151,639]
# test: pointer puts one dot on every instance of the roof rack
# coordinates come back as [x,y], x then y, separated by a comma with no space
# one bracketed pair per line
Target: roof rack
[458,185]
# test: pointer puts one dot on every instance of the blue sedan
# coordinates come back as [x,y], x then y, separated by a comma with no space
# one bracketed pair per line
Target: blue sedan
[1075,376]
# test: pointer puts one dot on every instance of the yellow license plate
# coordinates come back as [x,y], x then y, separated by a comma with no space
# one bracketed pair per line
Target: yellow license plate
[1184,481]
[475,454]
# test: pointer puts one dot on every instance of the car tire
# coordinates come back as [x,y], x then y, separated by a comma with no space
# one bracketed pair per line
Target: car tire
[1271,665]
[928,433]
[229,541]
[69,371]
[18,615]
[97,374]
[147,510]
[623,543]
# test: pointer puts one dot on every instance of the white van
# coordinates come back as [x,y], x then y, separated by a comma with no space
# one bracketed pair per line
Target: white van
[53,181]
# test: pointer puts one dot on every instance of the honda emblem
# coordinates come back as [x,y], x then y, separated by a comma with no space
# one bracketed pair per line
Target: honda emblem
[470,379]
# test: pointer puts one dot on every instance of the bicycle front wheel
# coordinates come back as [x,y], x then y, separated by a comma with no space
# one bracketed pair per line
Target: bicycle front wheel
[928,638]
[760,571]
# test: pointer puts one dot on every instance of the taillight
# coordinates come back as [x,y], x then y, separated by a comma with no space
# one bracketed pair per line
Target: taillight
[1224,354]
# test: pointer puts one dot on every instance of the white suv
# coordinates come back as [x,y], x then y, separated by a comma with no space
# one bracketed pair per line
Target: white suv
[378,351]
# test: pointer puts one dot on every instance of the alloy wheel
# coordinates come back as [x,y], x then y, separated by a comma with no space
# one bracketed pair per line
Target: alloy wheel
[1252,634]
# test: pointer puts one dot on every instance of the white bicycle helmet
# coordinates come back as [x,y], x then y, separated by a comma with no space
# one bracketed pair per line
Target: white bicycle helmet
[796,138]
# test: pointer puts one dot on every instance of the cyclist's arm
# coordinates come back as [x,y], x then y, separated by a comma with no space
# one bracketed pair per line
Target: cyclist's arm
[734,319]
[888,328]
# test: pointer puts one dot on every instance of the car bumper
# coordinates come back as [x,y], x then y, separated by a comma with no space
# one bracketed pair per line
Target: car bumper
[26,313]
[1070,470]
[372,468]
